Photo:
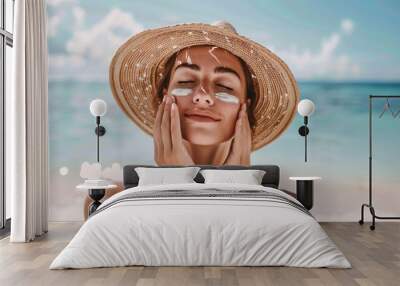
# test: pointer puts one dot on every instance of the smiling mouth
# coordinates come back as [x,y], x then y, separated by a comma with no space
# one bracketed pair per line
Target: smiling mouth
[202,117]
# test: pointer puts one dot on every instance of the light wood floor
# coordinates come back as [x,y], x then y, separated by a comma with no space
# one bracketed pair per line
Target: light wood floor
[375,257]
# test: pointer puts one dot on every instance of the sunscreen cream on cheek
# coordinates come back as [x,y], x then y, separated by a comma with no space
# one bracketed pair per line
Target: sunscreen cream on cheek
[226,97]
[181,91]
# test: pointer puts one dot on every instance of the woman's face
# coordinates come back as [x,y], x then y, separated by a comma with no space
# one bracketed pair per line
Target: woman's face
[209,86]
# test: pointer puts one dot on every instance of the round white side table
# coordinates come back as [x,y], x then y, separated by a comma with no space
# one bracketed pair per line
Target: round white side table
[96,192]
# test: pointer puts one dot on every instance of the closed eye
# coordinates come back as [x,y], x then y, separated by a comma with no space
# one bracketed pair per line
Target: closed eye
[186,81]
[224,86]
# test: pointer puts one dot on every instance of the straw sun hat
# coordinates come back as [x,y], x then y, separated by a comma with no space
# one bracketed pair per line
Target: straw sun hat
[137,69]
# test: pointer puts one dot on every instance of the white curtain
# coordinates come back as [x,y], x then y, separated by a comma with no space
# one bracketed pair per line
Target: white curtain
[27,123]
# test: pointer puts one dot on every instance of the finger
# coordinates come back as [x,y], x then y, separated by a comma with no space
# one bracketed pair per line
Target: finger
[244,132]
[246,123]
[157,133]
[235,156]
[240,135]
[245,114]
[166,126]
[237,140]
[180,150]
[157,122]
[176,133]
[246,141]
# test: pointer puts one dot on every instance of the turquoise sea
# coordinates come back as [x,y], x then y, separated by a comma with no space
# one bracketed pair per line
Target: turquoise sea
[338,142]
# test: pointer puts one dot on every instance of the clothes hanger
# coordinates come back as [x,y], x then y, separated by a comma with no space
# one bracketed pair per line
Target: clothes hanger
[397,113]
[387,107]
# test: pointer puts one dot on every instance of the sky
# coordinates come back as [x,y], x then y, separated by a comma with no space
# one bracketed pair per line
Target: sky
[351,40]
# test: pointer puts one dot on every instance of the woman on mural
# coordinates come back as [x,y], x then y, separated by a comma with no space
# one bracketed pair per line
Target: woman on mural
[205,93]
[204,106]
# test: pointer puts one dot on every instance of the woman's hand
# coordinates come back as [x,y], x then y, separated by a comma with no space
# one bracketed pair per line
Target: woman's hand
[169,147]
[241,146]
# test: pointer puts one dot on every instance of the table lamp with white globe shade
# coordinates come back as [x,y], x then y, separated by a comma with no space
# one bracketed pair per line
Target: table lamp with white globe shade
[98,108]
[305,108]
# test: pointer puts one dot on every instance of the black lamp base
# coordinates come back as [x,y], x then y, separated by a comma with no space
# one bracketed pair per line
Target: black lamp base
[304,192]
[96,195]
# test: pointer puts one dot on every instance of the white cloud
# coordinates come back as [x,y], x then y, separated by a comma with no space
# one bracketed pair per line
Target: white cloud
[56,3]
[113,173]
[347,26]
[89,50]
[325,62]
[58,12]
[95,171]
[90,171]
[328,46]
[53,23]
[66,66]
[99,41]
[79,17]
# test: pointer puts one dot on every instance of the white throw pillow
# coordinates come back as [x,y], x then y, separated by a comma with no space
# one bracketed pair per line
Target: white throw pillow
[163,176]
[248,177]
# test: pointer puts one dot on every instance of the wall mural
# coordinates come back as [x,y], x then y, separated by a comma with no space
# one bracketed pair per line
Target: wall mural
[205,94]
[221,92]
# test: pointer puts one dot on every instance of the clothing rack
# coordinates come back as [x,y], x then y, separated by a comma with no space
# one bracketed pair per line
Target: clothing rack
[369,205]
